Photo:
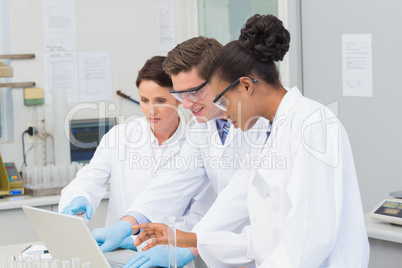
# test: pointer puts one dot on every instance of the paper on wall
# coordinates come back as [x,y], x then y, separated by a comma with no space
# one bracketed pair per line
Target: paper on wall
[59,23]
[166,26]
[61,73]
[357,65]
[95,76]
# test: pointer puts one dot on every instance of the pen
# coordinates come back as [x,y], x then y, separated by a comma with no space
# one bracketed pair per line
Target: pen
[26,248]
[37,252]
[121,94]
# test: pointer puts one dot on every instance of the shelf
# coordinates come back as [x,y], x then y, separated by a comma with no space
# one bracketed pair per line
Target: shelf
[18,85]
[7,71]
[17,56]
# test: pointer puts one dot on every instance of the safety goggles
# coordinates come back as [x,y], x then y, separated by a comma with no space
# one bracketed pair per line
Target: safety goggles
[221,101]
[193,94]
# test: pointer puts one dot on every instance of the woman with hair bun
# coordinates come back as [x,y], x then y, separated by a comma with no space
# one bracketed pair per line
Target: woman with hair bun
[304,205]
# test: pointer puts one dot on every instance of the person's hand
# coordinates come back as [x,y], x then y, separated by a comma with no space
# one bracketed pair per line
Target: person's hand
[157,231]
[128,243]
[159,256]
[111,237]
[79,206]
[157,234]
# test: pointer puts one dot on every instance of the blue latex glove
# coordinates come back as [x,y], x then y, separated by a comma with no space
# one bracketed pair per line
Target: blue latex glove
[159,256]
[111,237]
[79,205]
[128,243]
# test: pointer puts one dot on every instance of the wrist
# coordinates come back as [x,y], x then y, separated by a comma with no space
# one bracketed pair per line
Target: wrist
[124,228]
[184,239]
[195,252]
[130,220]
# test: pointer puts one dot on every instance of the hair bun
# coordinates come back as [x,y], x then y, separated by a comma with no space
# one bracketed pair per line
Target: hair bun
[264,38]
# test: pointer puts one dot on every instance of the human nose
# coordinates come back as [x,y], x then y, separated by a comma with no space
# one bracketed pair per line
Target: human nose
[153,110]
[187,103]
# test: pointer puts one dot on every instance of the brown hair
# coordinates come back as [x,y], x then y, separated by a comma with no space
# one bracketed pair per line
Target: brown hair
[152,70]
[197,52]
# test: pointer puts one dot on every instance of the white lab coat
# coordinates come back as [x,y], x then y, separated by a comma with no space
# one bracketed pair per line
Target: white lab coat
[130,156]
[208,159]
[304,202]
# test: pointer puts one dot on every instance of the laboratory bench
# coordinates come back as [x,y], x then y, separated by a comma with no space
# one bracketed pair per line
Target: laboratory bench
[15,227]
[385,239]
[385,243]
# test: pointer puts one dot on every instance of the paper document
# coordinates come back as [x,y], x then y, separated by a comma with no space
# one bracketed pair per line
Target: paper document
[166,26]
[33,251]
[95,76]
[357,65]
[59,25]
[61,73]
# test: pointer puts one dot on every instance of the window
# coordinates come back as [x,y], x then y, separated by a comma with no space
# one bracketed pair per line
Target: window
[223,19]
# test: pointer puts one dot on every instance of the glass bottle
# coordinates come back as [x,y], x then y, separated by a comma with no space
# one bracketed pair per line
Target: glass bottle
[172,242]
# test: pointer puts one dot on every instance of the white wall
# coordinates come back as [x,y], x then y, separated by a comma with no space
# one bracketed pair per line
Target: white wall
[125,28]
[373,123]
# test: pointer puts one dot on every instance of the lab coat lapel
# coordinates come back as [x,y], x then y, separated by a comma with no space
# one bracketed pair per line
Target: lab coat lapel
[215,148]
[231,135]
[280,117]
[174,143]
[143,137]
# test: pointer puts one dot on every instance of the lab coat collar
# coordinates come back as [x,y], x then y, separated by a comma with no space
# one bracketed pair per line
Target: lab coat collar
[287,102]
[177,136]
[284,107]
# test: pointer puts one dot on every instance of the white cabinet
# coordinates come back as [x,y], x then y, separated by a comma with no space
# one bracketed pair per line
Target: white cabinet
[15,227]
[385,243]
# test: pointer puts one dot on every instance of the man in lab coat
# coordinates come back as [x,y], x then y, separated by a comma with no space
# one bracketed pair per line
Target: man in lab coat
[214,148]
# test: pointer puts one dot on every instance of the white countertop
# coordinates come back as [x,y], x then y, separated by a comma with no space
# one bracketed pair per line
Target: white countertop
[14,202]
[382,230]
[15,249]
[375,228]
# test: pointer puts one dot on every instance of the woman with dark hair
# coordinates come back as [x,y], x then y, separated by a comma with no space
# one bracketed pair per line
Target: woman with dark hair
[304,207]
[131,155]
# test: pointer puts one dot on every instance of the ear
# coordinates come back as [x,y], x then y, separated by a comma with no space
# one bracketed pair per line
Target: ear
[247,85]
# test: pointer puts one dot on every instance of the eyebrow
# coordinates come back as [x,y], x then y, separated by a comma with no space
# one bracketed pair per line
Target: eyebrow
[196,88]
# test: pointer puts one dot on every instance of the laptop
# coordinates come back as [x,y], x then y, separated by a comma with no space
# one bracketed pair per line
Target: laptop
[68,237]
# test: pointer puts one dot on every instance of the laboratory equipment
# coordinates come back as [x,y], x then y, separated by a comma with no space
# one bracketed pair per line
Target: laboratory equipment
[85,135]
[390,209]
[49,179]
[75,262]
[66,264]
[61,144]
[86,265]
[10,179]
[172,242]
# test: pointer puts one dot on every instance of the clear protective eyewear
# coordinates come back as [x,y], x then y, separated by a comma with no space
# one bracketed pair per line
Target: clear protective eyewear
[193,94]
[221,101]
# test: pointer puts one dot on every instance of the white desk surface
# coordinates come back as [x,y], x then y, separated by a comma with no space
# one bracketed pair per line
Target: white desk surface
[16,249]
[14,202]
[383,230]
